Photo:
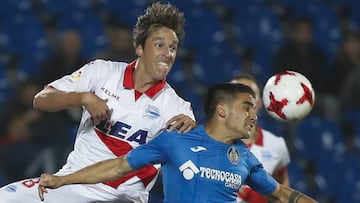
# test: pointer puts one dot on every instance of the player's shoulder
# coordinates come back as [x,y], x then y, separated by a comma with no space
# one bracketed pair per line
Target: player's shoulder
[171,95]
[273,140]
[107,65]
[170,92]
[197,133]
[270,135]
[167,137]
[247,155]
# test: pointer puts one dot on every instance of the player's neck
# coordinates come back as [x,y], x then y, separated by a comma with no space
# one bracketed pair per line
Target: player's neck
[142,81]
[220,134]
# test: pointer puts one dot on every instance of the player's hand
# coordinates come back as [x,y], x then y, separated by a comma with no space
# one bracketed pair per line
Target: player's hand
[181,122]
[48,181]
[97,107]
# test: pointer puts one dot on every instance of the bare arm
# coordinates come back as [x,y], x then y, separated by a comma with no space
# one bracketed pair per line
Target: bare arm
[102,171]
[52,100]
[288,195]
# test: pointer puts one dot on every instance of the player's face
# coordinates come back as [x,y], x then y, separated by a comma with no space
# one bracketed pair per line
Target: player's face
[254,87]
[159,53]
[242,118]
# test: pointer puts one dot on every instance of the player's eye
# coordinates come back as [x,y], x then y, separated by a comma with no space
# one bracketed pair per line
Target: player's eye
[173,48]
[246,108]
[158,45]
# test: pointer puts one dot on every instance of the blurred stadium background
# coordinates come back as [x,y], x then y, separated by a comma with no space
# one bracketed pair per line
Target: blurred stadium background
[223,38]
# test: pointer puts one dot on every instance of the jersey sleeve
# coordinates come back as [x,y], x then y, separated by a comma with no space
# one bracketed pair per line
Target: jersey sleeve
[151,153]
[258,179]
[186,109]
[177,105]
[87,78]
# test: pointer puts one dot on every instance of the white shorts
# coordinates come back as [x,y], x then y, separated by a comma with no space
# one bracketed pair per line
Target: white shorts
[26,191]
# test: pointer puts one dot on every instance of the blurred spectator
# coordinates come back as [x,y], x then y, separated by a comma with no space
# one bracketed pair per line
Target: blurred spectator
[301,55]
[20,104]
[120,46]
[27,133]
[65,60]
[17,148]
[341,83]
[350,97]
[345,81]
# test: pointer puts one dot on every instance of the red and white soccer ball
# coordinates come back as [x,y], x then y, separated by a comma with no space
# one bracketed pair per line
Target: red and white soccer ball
[288,96]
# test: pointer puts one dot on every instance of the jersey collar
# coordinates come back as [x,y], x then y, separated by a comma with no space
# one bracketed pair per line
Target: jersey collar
[260,139]
[129,81]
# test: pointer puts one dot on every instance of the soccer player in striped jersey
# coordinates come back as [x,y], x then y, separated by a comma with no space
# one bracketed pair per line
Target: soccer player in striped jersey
[124,106]
[208,164]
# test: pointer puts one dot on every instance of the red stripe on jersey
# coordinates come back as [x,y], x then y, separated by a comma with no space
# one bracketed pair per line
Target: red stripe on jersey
[250,196]
[260,138]
[119,147]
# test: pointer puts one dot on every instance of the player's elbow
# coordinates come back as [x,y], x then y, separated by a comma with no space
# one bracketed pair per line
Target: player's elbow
[45,99]
[38,101]
[122,167]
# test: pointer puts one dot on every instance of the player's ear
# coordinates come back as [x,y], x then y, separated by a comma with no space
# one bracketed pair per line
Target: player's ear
[139,50]
[221,110]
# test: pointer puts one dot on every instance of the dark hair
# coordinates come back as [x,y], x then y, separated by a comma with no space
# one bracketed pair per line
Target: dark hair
[156,16]
[223,92]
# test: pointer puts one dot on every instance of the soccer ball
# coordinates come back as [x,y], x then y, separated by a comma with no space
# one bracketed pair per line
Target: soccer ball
[288,96]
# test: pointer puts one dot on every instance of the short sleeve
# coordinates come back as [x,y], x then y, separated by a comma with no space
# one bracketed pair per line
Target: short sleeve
[150,153]
[260,181]
[86,78]
[185,108]
[177,105]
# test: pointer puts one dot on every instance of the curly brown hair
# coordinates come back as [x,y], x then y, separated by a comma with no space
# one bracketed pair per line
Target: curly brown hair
[156,16]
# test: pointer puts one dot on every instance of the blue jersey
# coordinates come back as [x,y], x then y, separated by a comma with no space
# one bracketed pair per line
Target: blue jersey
[197,168]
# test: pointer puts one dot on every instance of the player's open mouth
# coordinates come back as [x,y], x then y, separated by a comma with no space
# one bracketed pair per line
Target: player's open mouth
[163,65]
[250,126]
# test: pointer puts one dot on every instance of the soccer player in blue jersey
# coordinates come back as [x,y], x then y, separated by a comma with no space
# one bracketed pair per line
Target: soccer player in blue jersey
[207,164]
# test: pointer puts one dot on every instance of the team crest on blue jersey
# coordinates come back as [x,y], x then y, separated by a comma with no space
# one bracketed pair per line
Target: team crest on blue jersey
[233,155]
[152,112]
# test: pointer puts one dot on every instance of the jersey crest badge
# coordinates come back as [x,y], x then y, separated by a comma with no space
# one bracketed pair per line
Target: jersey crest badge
[11,188]
[152,112]
[77,75]
[233,155]
[74,76]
